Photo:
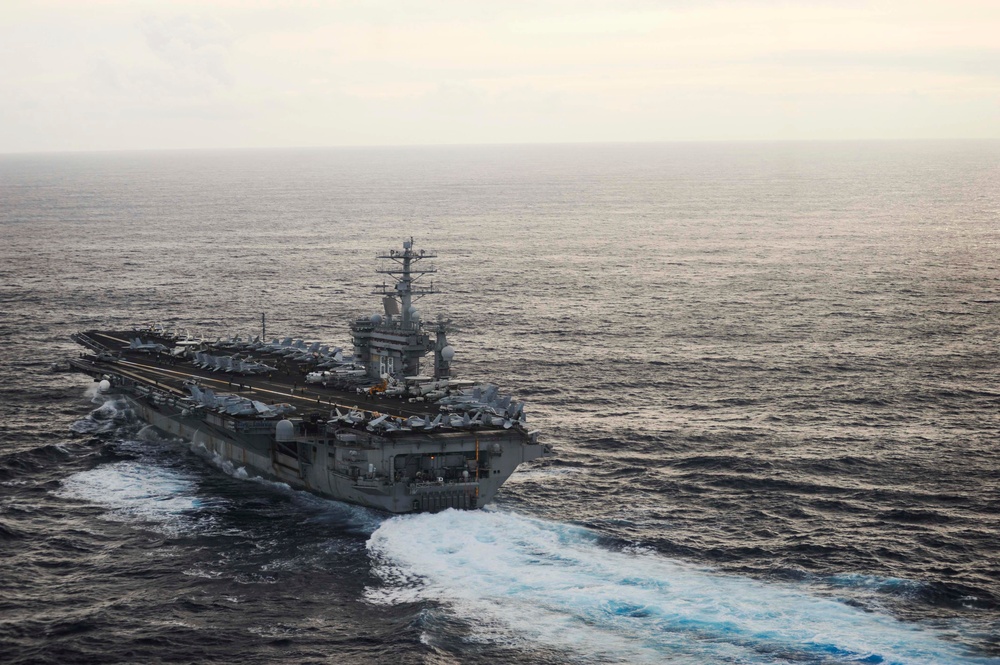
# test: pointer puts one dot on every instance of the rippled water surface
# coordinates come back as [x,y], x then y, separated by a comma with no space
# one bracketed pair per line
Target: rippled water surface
[770,373]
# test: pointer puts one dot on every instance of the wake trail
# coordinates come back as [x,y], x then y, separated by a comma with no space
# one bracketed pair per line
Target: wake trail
[519,580]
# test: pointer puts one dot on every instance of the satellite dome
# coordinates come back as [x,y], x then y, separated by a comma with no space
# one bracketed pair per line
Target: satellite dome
[284,431]
[414,314]
[376,319]
[448,353]
[104,386]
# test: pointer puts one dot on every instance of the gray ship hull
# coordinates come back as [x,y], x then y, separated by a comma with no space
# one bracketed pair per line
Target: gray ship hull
[407,472]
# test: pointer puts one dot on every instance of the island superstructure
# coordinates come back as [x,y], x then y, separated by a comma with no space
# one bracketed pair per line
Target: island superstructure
[383,426]
[398,341]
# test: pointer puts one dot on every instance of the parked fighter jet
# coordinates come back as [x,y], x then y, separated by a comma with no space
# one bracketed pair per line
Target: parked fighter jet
[229,364]
[270,411]
[236,405]
[478,398]
[425,422]
[136,344]
[254,367]
[351,417]
[250,344]
[296,347]
[336,359]
[228,343]
[500,411]
[307,353]
[276,346]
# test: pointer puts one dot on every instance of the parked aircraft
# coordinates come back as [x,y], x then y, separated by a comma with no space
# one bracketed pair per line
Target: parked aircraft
[136,344]
[351,417]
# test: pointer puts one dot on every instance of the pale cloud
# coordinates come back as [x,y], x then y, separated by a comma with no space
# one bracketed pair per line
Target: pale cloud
[125,74]
[197,44]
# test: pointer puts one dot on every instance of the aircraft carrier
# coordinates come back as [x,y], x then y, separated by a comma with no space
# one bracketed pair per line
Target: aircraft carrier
[378,426]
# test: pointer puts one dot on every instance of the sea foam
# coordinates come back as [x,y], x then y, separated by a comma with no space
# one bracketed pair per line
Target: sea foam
[133,491]
[519,580]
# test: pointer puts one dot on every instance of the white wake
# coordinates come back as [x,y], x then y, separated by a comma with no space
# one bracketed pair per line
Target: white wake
[163,499]
[519,580]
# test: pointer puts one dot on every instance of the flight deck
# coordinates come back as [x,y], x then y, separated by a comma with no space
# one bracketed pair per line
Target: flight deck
[170,373]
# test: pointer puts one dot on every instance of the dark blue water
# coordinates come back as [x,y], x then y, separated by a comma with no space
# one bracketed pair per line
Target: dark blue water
[769,370]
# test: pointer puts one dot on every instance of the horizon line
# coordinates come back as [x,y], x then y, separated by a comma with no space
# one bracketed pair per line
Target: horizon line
[371,146]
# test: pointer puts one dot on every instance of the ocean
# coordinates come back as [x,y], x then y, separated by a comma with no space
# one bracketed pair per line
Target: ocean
[769,372]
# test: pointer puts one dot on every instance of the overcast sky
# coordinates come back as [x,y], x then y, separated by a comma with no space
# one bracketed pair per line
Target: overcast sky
[110,74]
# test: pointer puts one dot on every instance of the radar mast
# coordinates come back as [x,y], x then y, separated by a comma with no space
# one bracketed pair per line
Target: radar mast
[405,275]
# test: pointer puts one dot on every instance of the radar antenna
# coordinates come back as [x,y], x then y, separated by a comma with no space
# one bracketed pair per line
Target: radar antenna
[405,275]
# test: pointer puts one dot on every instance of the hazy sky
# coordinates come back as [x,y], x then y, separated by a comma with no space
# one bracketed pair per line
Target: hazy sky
[109,74]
